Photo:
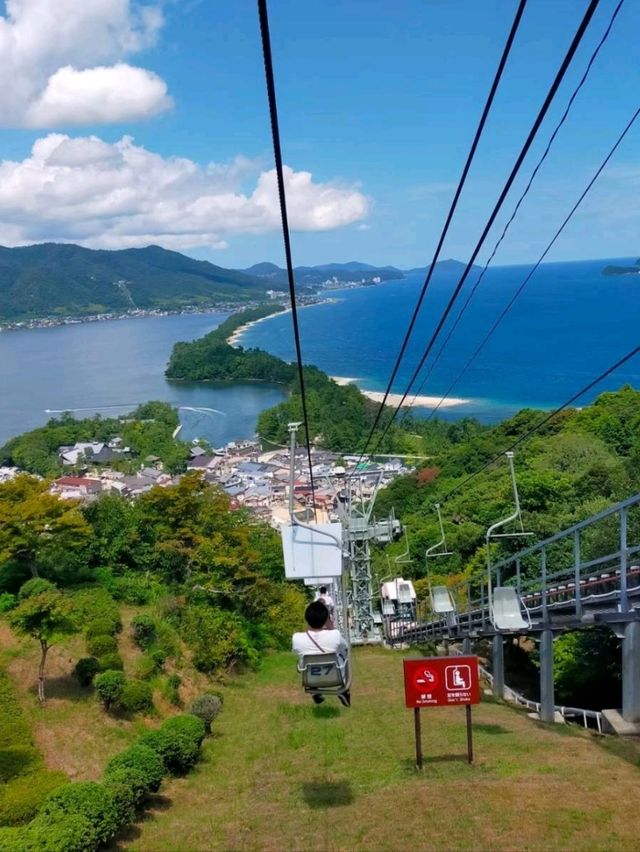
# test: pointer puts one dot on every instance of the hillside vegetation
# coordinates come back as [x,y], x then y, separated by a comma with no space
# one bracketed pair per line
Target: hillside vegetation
[68,280]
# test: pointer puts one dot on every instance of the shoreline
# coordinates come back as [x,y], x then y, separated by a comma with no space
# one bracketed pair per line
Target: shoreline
[235,337]
[420,401]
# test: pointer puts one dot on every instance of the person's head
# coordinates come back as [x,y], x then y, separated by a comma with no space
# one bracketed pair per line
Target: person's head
[316,615]
[323,590]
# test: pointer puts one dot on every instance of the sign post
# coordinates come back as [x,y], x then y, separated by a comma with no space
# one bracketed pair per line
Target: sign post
[441,682]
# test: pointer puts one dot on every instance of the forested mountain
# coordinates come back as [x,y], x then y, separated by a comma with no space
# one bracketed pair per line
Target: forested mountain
[314,276]
[65,279]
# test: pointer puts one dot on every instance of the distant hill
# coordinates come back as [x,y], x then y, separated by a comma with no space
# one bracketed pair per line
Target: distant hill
[449,267]
[317,276]
[65,279]
[634,269]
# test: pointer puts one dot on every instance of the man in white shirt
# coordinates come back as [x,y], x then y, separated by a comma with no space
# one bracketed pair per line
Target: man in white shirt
[326,599]
[317,639]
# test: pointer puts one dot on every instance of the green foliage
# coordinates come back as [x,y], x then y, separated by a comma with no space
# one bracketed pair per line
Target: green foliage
[64,832]
[128,785]
[100,646]
[85,670]
[35,586]
[137,697]
[101,627]
[177,742]
[111,661]
[206,707]
[141,759]
[21,797]
[171,689]
[39,532]
[109,688]
[7,602]
[145,667]
[586,668]
[87,799]
[144,630]
[220,640]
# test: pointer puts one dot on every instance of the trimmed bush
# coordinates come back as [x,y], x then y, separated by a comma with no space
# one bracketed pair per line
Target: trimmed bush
[85,670]
[94,603]
[111,661]
[103,627]
[177,742]
[21,797]
[85,798]
[110,686]
[143,628]
[14,839]
[143,760]
[7,602]
[99,646]
[206,707]
[128,787]
[159,657]
[72,832]
[136,697]
[35,586]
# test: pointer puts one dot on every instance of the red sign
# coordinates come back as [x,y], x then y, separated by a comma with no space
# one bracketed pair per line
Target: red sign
[441,681]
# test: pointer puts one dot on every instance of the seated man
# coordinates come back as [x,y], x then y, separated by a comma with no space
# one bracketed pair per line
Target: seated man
[319,640]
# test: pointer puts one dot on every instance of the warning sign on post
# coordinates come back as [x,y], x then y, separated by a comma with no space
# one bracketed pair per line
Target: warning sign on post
[441,681]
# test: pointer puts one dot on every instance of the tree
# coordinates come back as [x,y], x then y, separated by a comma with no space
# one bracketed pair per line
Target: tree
[46,617]
[37,528]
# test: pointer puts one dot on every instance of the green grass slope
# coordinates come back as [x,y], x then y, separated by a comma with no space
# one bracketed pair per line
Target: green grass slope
[283,774]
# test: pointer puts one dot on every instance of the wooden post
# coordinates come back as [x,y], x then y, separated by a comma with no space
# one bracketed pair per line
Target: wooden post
[469,734]
[418,732]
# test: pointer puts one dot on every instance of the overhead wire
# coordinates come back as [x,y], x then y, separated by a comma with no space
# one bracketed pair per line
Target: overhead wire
[619,363]
[534,268]
[516,209]
[463,177]
[575,43]
[277,153]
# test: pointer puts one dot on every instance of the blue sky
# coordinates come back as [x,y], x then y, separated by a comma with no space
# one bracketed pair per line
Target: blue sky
[378,101]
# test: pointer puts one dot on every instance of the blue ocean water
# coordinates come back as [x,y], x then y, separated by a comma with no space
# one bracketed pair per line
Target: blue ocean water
[570,323]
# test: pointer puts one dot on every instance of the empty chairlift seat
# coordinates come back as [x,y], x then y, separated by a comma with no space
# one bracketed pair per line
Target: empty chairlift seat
[441,601]
[325,673]
[505,610]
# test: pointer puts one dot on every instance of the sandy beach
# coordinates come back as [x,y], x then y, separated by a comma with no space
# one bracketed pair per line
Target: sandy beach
[420,401]
[234,339]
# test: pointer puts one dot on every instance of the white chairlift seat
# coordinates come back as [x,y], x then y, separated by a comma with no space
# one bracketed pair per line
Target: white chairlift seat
[505,610]
[441,601]
[324,673]
[388,607]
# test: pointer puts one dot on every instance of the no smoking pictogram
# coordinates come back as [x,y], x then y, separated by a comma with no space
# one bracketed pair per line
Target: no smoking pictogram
[426,678]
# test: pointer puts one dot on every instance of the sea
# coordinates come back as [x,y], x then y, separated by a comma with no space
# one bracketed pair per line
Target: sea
[569,325]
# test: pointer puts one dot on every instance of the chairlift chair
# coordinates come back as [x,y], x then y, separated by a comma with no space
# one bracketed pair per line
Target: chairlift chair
[324,674]
[506,611]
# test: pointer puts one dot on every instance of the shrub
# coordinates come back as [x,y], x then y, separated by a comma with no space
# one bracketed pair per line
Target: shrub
[98,646]
[14,839]
[206,707]
[141,759]
[177,742]
[94,603]
[102,627]
[171,689]
[159,657]
[7,602]
[21,797]
[110,686]
[144,630]
[128,787]
[87,799]
[136,697]
[69,833]
[85,670]
[145,667]
[35,586]
[111,662]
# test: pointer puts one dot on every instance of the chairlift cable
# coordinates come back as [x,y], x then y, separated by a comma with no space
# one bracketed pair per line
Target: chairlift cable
[619,363]
[575,43]
[532,271]
[465,171]
[277,152]
[516,209]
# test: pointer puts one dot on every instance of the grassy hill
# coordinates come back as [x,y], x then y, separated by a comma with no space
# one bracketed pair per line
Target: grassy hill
[280,773]
[66,279]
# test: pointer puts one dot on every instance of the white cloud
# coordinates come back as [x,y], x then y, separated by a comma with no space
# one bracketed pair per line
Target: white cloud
[121,195]
[64,61]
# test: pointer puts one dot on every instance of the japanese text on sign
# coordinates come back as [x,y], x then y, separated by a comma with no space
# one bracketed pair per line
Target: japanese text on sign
[441,681]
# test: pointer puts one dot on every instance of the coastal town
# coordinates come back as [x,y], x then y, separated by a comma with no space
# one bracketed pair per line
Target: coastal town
[254,478]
